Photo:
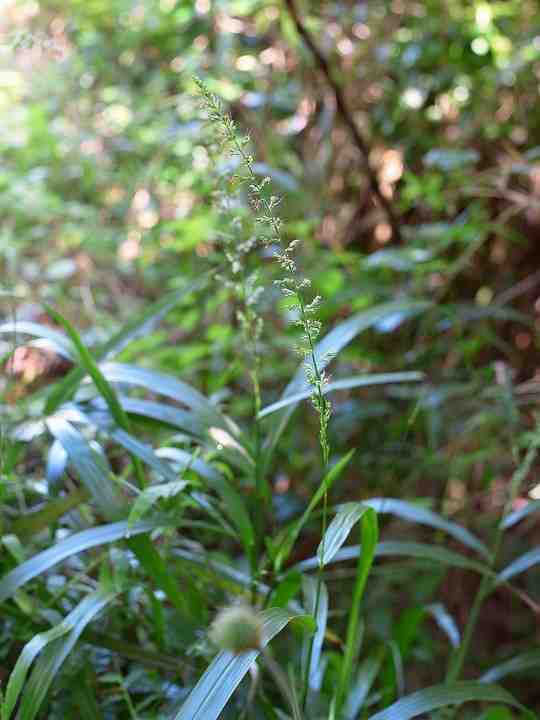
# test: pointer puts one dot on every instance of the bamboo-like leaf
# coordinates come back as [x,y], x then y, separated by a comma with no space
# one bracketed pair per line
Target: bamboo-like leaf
[524,661]
[159,412]
[54,655]
[150,495]
[344,384]
[89,364]
[57,340]
[161,384]
[326,483]
[338,338]
[389,548]
[91,467]
[369,533]
[515,517]
[524,562]
[310,593]
[183,459]
[365,677]
[136,327]
[84,540]
[56,464]
[75,622]
[225,673]
[446,622]
[422,516]
[440,696]
[338,530]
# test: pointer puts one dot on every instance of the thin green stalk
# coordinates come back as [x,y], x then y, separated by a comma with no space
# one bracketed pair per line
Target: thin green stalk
[488,581]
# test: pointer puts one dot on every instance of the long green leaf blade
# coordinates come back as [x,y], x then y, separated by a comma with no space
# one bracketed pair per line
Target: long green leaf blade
[136,327]
[86,609]
[343,384]
[55,654]
[519,663]
[225,673]
[524,562]
[84,540]
[440,696]
[91,466]
[422,516]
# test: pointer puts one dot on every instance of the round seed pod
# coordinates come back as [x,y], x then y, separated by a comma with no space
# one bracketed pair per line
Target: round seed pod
[237,629]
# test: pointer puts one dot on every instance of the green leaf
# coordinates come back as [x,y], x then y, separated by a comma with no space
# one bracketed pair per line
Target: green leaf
[293,533]
[515,517]
[389,548]
[446,622]
[100,535]
[75,622]
[524,562]
[422,516]
[136,327]
[53,657]
[338,530]
[338,338]
[369,533]
[365,677]
[163,414]
[89,364]
[519,663]
[343,384]
[59,342]
[150,495]
[161,384]
[310,594]
[225,673]
[90,465]
[439,696]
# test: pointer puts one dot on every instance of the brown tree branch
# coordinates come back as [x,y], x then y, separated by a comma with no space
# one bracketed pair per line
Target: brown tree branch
[347,118]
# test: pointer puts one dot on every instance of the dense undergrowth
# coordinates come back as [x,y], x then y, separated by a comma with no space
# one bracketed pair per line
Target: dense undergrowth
[269,433]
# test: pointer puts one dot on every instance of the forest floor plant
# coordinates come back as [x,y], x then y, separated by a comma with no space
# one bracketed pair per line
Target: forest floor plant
[188,516]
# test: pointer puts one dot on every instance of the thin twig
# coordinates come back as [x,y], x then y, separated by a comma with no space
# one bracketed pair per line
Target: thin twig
[347,118]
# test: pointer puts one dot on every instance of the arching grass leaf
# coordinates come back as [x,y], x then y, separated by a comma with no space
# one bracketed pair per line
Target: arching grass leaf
[446,622]
[344,384]
[56,340]
[440,696]
[100,535]
[139,325]
[316,642]
[54,655]
[150,495]
[291,535]
[225,673]
[161,384]
[515,517]
[74,623]
[338,338]
[389,548]
[422,516]
[524,562]
[91,467]
[338,530]
[369,534]
[365,677]
[525,661]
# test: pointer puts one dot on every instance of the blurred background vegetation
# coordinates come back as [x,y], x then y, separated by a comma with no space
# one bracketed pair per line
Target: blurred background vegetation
[107,188]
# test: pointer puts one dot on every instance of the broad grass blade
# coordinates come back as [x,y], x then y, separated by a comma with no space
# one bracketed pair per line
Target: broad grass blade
[440,696]
[100,535]
[225,673]
[74,623]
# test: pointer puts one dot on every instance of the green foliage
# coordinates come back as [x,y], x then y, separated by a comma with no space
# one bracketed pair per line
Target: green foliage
[160,473]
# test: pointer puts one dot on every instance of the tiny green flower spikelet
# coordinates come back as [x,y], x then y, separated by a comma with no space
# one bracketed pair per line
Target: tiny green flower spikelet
[292,285]
[237,629]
